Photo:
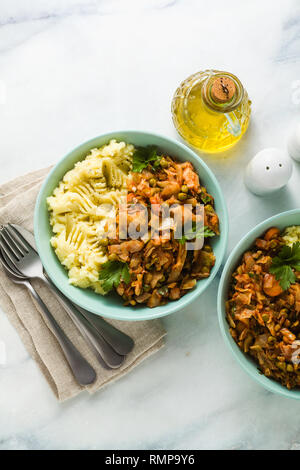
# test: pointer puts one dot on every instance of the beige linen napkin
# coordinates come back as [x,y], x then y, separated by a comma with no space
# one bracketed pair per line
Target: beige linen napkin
[17,200]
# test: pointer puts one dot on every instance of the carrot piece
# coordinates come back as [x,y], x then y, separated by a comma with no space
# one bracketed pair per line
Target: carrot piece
[273,232]
[272,286]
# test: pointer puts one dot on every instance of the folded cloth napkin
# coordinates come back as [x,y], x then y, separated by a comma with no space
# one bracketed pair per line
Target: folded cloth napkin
[17,200]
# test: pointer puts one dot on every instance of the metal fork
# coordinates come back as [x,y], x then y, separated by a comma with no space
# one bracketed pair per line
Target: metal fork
[24,260]
[118,340]
[10,271]
[82,370]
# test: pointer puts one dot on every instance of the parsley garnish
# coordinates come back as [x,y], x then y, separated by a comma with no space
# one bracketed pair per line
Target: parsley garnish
[203,232]
[281,267]
[111,274]
[144,156]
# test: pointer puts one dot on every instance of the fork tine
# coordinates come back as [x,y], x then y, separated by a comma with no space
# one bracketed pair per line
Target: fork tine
[8,254]
[14,240]
[5,249]
[18,237]
[9,246]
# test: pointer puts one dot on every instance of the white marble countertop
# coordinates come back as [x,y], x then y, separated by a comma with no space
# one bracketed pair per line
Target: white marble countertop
[73,69]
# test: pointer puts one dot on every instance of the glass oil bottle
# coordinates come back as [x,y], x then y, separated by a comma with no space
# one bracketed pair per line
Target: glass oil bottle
[211,110]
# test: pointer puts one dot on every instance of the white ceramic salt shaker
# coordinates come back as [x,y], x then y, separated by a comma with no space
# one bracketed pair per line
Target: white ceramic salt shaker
[294,143]
[268,171]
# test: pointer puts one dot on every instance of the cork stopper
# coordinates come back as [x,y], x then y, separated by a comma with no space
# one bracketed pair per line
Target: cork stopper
[223,89]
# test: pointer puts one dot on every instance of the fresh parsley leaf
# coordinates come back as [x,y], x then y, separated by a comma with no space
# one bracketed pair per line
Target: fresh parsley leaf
[112,272]
[143,156]
[281,267]
[125,274]
[285,275]
[203,232]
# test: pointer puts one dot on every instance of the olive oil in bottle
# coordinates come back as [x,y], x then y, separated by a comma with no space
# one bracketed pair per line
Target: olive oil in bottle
[211,110]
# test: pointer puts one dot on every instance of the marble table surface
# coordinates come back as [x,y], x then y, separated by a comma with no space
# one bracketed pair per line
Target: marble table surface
[73,69]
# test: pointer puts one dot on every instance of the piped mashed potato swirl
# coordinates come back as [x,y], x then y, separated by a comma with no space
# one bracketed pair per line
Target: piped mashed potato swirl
[292,235]
[82,206]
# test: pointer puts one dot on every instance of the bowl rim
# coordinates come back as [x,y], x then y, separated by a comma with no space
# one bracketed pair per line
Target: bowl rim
[242,359]
[171,307]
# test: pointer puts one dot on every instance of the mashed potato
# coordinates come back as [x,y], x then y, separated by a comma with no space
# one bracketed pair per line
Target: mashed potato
[82,205]
[292,235]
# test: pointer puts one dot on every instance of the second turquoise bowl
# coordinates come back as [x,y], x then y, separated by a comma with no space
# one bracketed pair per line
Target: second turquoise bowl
[111,306]
[281,221]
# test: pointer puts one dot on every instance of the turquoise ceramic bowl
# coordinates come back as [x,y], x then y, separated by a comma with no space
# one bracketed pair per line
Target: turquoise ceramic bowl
[111,306]
[281,221]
